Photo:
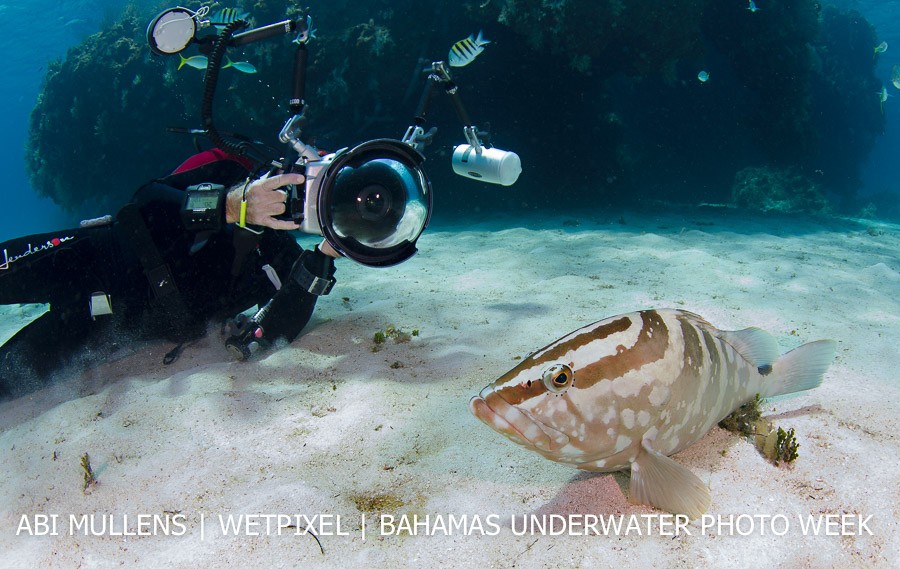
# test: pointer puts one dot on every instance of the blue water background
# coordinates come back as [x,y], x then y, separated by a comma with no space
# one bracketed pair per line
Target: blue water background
[881,173]
[34,33]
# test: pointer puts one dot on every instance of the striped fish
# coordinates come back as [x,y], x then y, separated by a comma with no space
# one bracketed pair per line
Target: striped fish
[226,16]
[465,51]
[629,391]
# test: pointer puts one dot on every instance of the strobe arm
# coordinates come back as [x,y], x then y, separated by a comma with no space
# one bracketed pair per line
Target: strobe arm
[439,74]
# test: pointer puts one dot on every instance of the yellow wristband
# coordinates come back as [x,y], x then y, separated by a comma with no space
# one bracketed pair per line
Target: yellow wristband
[242,220]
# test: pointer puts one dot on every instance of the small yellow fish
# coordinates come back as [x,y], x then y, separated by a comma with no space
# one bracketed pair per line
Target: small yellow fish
[881,48]
[630,391]
[242,66]
[895,76]
[197,61]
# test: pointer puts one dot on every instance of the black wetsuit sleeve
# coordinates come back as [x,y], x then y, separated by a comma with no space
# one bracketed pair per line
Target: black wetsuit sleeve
[292,306]
[160,201]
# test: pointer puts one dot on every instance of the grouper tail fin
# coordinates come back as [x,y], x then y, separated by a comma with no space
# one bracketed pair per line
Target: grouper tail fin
[800,369]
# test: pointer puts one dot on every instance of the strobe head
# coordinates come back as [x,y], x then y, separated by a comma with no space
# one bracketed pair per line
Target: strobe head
[491,165]
[172,31]
[374,202]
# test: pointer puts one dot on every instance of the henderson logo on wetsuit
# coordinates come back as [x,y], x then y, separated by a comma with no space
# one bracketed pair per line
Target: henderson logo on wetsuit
[55,242]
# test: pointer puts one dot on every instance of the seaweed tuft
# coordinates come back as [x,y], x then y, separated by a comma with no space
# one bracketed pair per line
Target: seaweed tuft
[89,478]
[394,333]
[776,444]
[744,418]
[786,446]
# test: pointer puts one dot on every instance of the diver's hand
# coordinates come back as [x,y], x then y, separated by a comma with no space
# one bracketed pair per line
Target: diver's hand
[265,200]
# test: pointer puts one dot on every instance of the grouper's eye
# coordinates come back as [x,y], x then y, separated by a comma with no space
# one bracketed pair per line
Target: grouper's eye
[558,378]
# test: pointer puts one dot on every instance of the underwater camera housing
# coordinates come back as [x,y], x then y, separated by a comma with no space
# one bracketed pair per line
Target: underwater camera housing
[370,202]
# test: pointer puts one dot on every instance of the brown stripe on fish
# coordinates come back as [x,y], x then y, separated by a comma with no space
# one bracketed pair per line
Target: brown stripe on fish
[715,357]
[650,346]
[714,385]
[555,351]
[725,389]
[693,350]
[683,401]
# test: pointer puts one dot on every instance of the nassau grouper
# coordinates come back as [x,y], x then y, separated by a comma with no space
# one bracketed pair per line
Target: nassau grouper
[629,391]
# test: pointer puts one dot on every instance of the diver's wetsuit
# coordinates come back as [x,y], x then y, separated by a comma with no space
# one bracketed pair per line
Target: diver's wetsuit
[65,268]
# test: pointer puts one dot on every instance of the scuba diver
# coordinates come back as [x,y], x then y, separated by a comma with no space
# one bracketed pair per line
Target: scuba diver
[160,270]
[211,240]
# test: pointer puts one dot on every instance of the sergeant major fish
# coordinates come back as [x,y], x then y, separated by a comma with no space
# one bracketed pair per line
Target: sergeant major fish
[226,16]
[465,51]
[629,391]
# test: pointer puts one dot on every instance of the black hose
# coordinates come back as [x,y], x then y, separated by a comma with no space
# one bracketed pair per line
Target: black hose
[213,66]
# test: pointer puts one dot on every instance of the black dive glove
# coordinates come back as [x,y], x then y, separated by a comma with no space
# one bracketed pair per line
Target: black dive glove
[311,276]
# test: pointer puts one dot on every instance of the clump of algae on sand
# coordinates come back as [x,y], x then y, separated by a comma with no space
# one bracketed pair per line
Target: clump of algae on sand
[774,443]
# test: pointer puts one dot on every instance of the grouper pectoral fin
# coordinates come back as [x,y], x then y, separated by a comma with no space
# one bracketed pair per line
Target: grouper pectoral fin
[659,481]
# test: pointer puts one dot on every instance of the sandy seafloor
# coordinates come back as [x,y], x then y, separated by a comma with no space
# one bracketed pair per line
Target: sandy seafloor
[325,426]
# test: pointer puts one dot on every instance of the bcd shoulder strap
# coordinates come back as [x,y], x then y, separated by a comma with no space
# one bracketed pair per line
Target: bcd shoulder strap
[162,286]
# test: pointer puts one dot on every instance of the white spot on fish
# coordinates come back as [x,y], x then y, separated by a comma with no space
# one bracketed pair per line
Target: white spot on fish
[643,418]
[627,387]
[622,443]
[532,432]
[628,418]
[611,432]
[659,395]
[610,415]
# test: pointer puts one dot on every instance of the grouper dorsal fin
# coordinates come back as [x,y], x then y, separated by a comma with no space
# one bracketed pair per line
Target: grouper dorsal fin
[659,481]
[756,346]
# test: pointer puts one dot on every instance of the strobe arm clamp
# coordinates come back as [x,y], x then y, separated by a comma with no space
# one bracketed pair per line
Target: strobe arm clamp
[439,74]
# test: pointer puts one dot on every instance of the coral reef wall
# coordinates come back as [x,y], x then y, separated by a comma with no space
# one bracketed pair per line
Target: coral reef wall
[601,98]
[94,130]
